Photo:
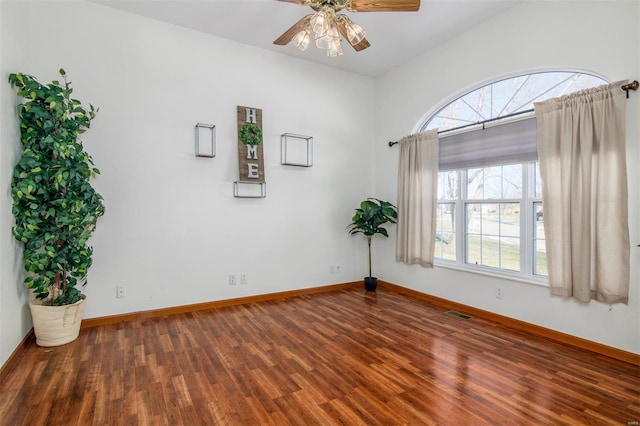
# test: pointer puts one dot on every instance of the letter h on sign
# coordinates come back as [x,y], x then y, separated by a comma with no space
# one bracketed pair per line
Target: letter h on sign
[250,115]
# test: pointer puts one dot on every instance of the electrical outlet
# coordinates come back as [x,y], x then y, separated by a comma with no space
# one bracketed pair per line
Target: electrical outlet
[233,279]
[338,268]
[499,293]
[244,279]
[120,292]
[332,269]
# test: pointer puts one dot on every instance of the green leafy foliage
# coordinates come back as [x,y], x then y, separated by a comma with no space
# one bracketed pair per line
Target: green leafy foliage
[54,204]
[372,214]
[369,218]
[251,134]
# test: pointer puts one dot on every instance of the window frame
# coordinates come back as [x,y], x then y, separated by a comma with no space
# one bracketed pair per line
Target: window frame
[528,222]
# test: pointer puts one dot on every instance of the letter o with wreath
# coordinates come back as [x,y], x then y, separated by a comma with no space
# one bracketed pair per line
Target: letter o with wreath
[251,134]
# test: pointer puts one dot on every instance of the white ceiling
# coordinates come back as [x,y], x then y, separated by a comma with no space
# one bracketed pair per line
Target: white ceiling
[395,37]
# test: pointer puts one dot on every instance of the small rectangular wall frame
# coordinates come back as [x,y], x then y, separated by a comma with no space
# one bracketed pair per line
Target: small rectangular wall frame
[296,150]
[243,189]
[205,140]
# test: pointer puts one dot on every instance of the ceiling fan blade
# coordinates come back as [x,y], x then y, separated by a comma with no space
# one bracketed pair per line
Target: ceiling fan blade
[295,1]
[361,45]
[383,5]
[288,35]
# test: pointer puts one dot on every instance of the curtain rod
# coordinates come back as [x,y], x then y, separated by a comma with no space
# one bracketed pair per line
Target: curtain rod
[630,86]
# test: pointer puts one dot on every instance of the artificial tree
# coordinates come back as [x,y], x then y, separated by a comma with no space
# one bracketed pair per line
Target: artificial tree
[54,204]
[368,220]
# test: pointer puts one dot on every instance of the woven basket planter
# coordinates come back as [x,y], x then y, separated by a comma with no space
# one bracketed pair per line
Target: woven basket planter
[56,325]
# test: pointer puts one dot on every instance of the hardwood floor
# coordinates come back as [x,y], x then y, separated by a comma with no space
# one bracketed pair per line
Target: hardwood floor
[342,357]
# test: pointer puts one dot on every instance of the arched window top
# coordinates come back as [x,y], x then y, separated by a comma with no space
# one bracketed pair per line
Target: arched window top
[507,97]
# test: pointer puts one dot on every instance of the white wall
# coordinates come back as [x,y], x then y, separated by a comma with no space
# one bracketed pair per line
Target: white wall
[173,230]
[593,36]
[15,320]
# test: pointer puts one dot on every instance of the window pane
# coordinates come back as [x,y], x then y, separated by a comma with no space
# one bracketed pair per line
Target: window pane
[495,183]
[510,236]
[492,183]
[510,219]
[493,235]
[478,104]
[474,249]
[490,251]
[445,232]
[490,219]
[510,253]
[506,93]
[512,181]
[540,252]
[448,185]
[475,184]
[474,218]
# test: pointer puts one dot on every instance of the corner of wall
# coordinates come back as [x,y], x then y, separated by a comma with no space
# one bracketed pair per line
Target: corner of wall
[15,321]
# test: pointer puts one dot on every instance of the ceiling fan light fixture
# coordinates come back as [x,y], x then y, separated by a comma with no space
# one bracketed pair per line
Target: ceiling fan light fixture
[328,39]
[330,27]
[301,39]
[355,33]
[335,49]
[321,20]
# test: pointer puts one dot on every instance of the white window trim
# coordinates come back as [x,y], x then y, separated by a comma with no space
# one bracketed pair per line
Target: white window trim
[441,263]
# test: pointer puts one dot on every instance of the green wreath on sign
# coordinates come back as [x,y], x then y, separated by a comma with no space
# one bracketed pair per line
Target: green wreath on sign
[250,134]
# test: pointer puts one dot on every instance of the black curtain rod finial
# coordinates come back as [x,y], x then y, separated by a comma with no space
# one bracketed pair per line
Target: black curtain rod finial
[631,86]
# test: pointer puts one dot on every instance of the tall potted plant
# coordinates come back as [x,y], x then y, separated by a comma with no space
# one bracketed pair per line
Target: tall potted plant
[368,220]
[54,204]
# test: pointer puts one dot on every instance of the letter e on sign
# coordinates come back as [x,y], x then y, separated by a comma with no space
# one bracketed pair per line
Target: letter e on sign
[252,172]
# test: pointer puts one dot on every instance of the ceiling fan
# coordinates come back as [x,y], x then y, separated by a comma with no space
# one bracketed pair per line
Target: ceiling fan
[327,25]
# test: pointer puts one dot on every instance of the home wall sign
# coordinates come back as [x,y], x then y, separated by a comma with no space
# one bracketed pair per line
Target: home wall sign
[250,145]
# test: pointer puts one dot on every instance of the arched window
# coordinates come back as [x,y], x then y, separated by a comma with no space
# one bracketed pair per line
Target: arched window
[490,217]
[504,98]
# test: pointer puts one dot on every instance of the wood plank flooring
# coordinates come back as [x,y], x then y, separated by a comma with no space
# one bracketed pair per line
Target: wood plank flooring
[339,358]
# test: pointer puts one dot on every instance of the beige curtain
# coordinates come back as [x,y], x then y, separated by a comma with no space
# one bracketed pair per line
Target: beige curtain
[581,149]
[417,198]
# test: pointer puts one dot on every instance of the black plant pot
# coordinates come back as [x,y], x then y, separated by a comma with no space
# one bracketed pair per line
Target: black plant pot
[370,283]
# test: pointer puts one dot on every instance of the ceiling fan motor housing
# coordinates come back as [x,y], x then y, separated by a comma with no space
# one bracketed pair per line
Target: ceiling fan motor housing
[336,5]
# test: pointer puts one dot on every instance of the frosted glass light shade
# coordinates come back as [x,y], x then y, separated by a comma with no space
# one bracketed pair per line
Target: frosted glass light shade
[329,39]
[335,49]
[320,22]
[301,40]
[355,33]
